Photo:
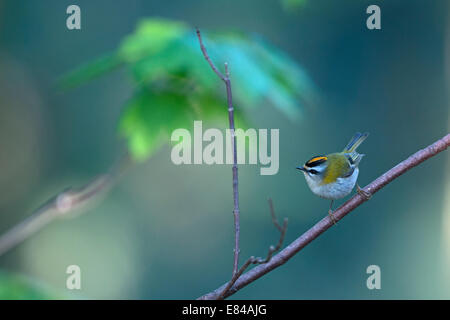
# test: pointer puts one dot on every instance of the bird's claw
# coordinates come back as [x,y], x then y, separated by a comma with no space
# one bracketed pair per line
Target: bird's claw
[332,218]
[363,193]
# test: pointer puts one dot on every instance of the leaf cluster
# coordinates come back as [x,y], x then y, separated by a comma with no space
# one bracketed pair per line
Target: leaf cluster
[174,85]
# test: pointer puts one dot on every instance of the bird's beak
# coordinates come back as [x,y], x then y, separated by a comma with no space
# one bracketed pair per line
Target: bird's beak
[301,168]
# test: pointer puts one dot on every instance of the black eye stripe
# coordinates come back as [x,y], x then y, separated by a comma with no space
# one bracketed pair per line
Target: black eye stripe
[313,171]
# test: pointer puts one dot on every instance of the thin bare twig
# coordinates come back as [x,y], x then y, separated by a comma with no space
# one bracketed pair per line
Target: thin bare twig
[226,79]
[274,218]
[252,259]
[69,202]
[320,227]
[205,54]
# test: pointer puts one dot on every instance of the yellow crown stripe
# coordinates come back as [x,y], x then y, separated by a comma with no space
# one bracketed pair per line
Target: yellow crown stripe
[317,159]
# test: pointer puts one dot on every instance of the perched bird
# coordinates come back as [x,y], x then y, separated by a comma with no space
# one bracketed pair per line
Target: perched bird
[333,176]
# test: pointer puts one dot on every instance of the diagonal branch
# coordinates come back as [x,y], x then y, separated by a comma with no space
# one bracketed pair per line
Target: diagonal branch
[226,79]
[323,225]
[69,202]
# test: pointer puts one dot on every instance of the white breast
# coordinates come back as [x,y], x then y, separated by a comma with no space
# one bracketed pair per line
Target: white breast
[335,190]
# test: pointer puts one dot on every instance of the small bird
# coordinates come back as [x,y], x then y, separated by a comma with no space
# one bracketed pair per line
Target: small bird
[334,175]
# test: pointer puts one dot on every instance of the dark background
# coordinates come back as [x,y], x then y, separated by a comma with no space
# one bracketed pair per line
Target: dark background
[166,231]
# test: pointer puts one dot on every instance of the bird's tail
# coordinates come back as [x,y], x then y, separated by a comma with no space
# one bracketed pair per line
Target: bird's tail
[354,143]
[357,139]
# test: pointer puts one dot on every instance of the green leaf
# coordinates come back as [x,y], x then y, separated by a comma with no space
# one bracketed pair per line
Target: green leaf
[150,118]
[259,71]
[150,37]
[18,287]
[89,71]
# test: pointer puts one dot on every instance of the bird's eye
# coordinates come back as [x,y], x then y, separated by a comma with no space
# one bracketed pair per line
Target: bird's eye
[313,171]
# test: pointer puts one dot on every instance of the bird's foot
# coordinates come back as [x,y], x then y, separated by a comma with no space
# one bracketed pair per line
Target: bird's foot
[366,195]
[332,218]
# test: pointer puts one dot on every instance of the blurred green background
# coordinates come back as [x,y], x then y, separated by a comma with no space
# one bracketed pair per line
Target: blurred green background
[166,231]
